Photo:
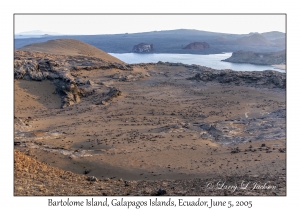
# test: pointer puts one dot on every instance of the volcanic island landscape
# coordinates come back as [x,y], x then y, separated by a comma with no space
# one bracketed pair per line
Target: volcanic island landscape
[87,123]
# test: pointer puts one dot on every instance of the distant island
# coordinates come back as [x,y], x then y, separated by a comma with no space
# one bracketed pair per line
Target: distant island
[35,34]
[268,58]
[143,48]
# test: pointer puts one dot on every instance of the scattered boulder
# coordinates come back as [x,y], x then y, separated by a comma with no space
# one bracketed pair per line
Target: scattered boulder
[89,82]
[86,171]
[126,183]
[161,192]
[113,93]
[281,150]
[235,150]
[92,179]
[17,143]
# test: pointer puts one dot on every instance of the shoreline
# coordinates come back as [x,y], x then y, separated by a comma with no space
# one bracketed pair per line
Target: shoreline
[280,66]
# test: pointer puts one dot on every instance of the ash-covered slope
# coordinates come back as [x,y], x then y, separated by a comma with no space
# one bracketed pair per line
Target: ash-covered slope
[69,47]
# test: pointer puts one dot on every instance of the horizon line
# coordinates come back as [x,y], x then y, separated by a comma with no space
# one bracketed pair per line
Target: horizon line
[62,34]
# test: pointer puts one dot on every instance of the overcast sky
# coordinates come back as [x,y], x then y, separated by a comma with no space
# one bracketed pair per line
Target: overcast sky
[114,24]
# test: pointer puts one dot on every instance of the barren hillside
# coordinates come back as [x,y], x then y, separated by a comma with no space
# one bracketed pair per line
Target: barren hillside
[255,39]
[69,47]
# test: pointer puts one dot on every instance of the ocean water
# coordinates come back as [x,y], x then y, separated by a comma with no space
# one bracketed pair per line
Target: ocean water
[213,61]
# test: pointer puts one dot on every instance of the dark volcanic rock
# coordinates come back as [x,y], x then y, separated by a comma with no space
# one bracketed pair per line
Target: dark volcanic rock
[109,96]
[113,93]
[270,58]
[197,46]
[59,69]
[142,48]
[269,79]
[269,127]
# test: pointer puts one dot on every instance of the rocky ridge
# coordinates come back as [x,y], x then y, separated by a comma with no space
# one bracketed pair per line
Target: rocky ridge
[60,70]
[268,78]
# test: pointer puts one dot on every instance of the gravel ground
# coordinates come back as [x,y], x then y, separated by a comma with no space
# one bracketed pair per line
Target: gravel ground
[33,178]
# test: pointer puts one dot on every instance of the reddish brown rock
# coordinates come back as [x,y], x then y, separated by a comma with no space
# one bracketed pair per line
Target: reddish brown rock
[197,46]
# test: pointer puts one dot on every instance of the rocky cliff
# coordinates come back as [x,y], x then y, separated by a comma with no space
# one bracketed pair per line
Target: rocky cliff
[258,58]
[142,48]
[197,46]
